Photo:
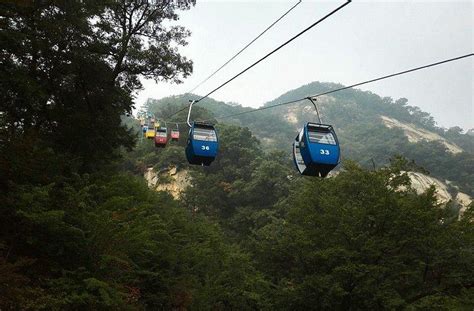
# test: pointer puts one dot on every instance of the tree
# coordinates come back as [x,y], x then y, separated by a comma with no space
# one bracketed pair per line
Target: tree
[356,241]
[70,71]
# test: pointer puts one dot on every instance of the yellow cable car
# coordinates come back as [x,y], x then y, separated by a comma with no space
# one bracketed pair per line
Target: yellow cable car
[150,133]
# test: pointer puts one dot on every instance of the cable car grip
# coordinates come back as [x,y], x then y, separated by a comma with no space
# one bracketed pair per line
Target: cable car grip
[189,112]
[315,107]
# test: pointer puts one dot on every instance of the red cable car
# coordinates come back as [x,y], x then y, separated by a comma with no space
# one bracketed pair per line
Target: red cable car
[175,133]
[161,137]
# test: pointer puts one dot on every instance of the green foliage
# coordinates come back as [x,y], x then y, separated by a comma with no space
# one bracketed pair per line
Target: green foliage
[80,229]
[115,244]
[353,242]
[356,240]
[72,71]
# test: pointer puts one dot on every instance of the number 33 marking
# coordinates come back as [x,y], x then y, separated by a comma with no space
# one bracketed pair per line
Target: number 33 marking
[324,151]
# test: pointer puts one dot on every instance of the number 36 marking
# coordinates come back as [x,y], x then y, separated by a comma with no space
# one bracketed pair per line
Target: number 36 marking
[324,151]
[204,147]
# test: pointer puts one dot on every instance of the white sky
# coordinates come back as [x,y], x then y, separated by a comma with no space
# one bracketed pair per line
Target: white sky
[364,40]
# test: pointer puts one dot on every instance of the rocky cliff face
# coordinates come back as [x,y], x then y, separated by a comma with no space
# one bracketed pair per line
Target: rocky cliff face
[421,182]
[170,180]
[416,134]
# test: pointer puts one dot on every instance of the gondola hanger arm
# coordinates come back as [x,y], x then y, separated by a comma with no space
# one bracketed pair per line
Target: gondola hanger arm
[189,113]
[313,101]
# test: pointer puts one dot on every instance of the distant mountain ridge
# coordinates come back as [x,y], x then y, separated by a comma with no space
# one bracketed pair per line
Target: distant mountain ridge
[370,128]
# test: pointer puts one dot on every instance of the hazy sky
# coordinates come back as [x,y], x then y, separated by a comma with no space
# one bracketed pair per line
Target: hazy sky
[364,40]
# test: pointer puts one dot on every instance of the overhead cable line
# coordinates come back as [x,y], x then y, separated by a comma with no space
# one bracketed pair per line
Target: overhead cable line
[245,47]
[348,87]
[267,55]
[275,50]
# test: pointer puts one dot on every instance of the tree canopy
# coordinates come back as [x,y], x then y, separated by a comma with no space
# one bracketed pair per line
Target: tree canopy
[70,71]
[80,229]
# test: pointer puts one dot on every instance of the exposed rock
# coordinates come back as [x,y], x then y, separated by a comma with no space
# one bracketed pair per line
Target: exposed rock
[291,117]
[416,134]
[151,177]
[421,182]
[170,180]
[464,200]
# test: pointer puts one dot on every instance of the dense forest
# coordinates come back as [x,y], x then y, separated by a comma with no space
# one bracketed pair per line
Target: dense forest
[80,228]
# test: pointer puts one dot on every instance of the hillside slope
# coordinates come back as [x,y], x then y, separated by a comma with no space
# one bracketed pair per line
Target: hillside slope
[416,134]
[371,129]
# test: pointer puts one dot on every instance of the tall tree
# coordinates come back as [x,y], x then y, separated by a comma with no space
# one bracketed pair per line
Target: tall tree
[69,69]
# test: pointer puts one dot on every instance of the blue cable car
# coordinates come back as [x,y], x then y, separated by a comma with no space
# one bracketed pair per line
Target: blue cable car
[144,128]
[297,158]
[202,144]
[316,148]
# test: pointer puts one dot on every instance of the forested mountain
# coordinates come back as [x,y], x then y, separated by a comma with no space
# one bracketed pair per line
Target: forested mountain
[81,230]
[323,244]
[370,129]
[319,244]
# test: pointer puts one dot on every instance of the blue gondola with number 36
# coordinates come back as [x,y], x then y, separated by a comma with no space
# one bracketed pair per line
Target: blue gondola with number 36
[202,144]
